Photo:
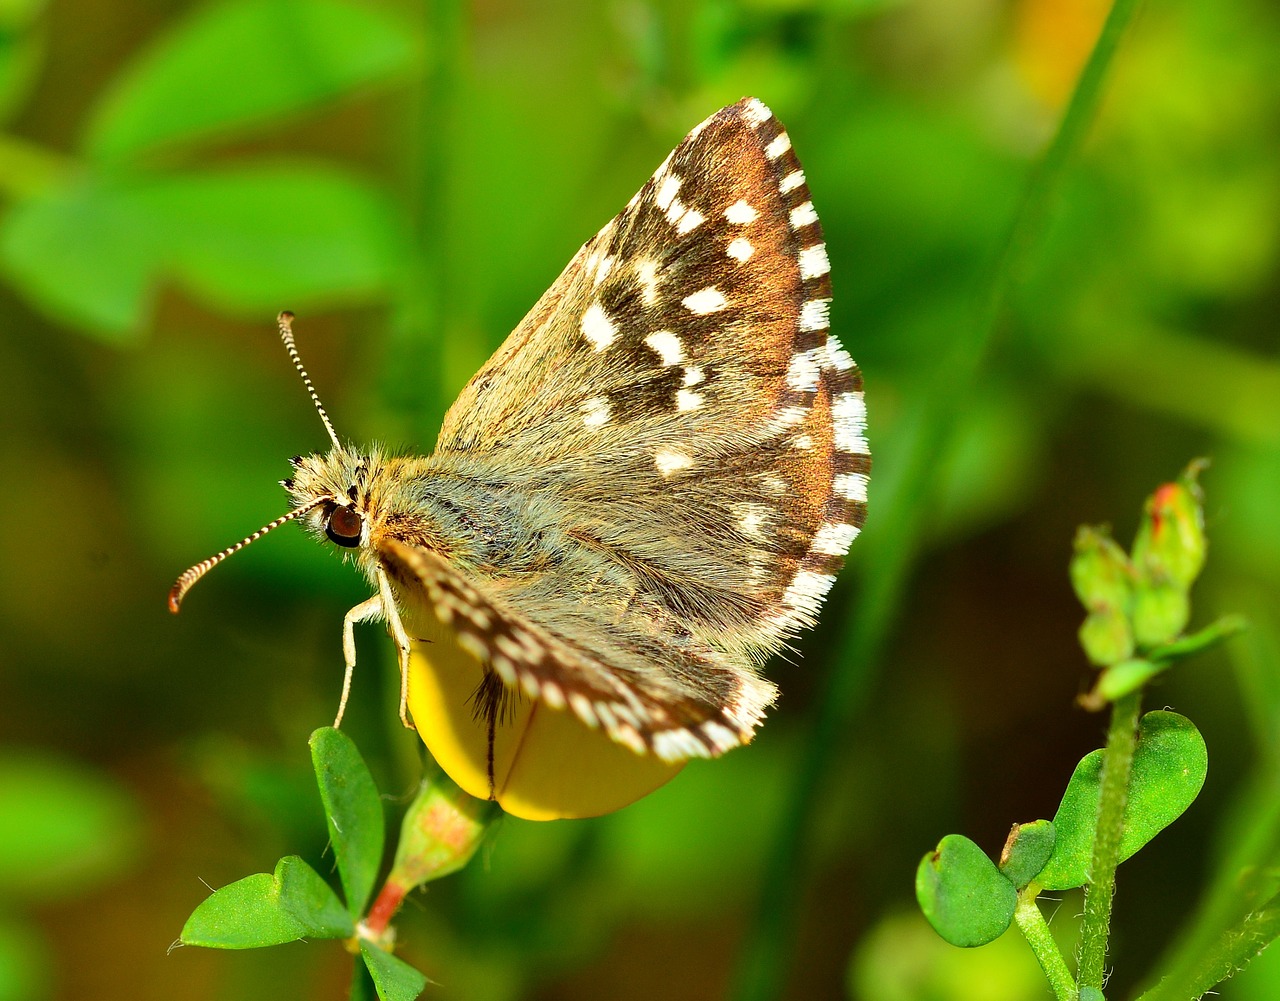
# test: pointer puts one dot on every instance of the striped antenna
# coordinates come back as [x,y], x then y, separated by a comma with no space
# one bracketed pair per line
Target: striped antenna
[184,583]
[285,320]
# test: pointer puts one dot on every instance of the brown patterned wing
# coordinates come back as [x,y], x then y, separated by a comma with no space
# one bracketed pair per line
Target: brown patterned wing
[676,699]
[678,389]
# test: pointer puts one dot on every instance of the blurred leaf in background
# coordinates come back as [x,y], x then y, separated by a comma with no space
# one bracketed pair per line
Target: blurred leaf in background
[409,178]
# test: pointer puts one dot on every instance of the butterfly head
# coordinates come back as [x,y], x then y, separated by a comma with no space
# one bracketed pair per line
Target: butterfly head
[330,492]
[334,492]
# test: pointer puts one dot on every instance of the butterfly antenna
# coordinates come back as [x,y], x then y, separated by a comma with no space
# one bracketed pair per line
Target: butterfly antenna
[184,583]
[285,320]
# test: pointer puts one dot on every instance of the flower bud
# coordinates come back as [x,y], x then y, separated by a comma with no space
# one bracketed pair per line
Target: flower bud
[1100,571]
[1170,545]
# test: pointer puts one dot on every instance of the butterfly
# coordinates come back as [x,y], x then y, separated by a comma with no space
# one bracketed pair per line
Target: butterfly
[649,489]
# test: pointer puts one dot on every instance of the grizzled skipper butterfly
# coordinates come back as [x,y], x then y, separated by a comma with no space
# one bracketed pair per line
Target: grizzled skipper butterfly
[648,489]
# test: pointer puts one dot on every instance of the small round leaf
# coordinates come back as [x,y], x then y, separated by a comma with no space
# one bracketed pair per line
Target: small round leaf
[1026,851]
[965,897]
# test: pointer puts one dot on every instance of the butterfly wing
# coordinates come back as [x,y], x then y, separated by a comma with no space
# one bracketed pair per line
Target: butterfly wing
[678,394]
[615,672]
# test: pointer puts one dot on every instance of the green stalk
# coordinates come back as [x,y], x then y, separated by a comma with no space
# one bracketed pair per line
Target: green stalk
[1117,762]
[1235,948]
[898,528]
[1035,930]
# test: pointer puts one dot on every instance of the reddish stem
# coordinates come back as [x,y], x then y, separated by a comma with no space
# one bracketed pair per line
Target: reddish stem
[390,897]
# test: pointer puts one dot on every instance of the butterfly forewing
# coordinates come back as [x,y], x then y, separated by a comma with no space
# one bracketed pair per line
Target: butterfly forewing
[677,393]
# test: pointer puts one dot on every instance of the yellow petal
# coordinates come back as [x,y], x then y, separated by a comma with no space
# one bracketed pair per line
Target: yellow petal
[547,763]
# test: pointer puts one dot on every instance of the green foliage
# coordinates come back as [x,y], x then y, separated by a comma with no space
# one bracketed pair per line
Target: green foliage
[1120,797]
[264,909]
[296,903]
[1168,772]
[1027,850]
[966,898]
[353,811]
[91,246]
[240,65]
[146,412]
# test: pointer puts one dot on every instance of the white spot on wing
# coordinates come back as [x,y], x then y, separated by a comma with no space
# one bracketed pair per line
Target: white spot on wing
[552,695]
[804,372]
[667,345]
[602,272]
[849,415]
[687,399]
[806,592]
[693,375]
[833,539]
[838,356]
[772,484]
[597,327]
[691,220]
[791,182]
[753,518]
[803,215]
[740,213]
[666,192]
[851,486]
[814,262]
[779,146]
[740,249]
[756,112]
[670,460]
[704,301]
[675,210]
[814,315]
[595,412]
[647,275]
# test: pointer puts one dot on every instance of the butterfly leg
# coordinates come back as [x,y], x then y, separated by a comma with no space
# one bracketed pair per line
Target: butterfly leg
[403,644]
[363,612]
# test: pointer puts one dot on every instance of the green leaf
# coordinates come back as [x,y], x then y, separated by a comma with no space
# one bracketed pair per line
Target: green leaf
[311,901]
[362,988]
[1120,679]
[246,914]
[353,810]
[965,897]
[1169,766]
[245,240]
[394,979]
[63,827]
[262,910]
[1026,851]
[241,64]
[85,255]
[252,238]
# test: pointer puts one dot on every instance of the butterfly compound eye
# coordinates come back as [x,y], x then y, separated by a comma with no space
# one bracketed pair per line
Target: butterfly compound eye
[344,526]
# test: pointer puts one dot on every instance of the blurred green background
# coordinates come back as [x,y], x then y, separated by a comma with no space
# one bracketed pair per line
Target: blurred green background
[409,178]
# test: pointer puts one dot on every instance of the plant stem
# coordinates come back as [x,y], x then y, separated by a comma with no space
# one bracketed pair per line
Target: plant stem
[384,908]
[1117,761]
[1228,956]
[1035,930]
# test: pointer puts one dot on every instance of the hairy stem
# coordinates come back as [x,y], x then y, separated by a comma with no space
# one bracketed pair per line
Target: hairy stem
[1035,930]
[1117,762]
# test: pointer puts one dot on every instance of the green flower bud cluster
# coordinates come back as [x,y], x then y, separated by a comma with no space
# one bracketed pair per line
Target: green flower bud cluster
[1139,603]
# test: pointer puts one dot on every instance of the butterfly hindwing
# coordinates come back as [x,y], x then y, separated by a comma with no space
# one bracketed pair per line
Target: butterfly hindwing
[677,699]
